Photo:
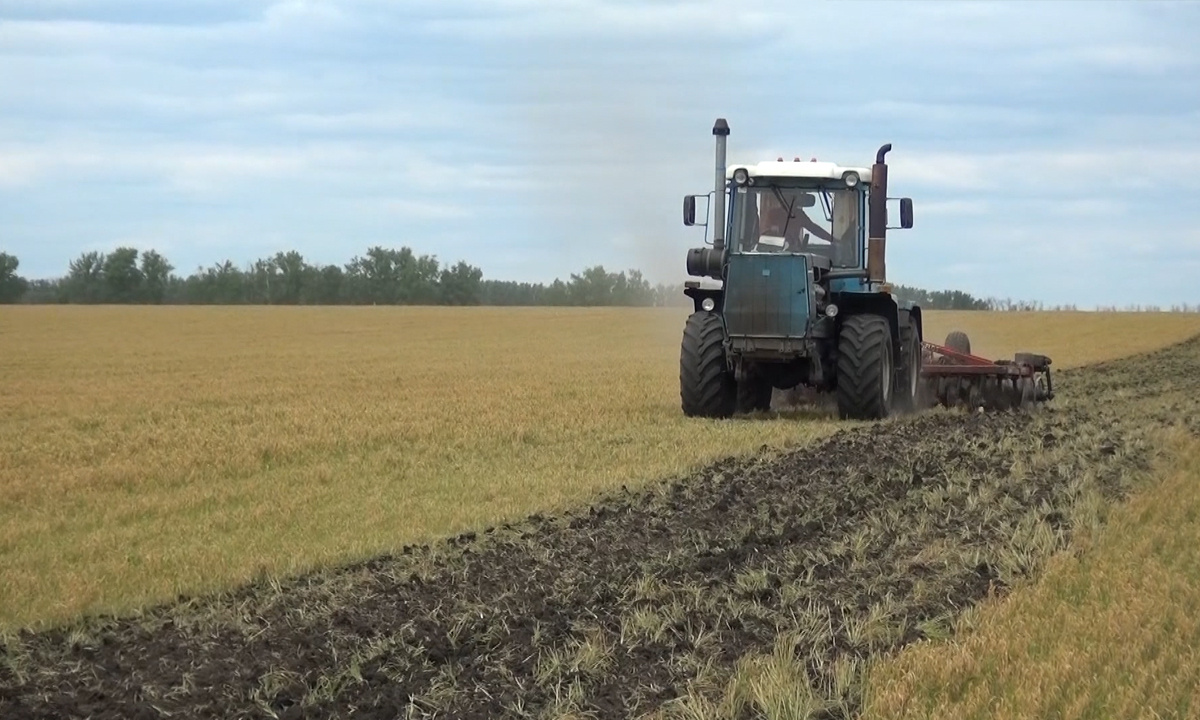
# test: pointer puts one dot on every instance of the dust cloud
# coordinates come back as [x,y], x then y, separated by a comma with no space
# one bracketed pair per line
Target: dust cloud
[618,141]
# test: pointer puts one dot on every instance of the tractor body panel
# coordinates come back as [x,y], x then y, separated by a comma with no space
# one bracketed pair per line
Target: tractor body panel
[768,303]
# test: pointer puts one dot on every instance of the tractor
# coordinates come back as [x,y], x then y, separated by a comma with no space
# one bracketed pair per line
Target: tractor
[793,292]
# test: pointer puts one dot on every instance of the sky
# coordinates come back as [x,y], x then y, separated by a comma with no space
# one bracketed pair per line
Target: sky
[1052,150]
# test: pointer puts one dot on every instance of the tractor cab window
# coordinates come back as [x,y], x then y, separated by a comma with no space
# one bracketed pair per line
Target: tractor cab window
[782,219]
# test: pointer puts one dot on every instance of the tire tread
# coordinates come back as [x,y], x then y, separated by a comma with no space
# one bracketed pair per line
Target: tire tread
[706,387]
[861,346]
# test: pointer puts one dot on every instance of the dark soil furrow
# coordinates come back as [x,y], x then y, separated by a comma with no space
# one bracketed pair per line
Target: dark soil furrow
[835,552]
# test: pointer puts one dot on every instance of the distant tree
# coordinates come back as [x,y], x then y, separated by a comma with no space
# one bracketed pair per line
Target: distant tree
[263,282]
[291,271]
[418,277]
[557,294]
[633,289]
[85,279]
[940,299]
[374,279]
[222,283]
[123,278]
[44,292]
[323,286]
[460,285]
[594,286]
[156,277]
[12,285]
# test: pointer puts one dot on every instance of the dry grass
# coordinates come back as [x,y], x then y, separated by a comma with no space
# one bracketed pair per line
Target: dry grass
[146,452]
[1110,632]
[149,451]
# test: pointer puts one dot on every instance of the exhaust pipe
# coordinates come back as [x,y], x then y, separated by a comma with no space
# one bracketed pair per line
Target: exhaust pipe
[877,223]
[721,133]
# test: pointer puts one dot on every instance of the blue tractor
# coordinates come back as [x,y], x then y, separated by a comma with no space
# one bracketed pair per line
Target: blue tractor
[794,291]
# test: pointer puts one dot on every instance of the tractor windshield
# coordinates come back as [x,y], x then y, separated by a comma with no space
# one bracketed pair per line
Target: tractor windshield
[825,220]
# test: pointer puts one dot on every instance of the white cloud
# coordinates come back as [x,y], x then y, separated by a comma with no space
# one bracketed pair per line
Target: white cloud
[561,19]
[412,209]
[18,168]
[210,170]
[1137,58]
[304,12]
[385,119]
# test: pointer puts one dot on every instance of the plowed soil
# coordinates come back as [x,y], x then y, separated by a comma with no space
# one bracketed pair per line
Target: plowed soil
[870,540]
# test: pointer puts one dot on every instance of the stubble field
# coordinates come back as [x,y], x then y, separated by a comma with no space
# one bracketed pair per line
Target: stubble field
[148,452]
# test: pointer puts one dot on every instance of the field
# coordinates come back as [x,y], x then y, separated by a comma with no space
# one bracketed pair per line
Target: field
[1111,630]
[150,452]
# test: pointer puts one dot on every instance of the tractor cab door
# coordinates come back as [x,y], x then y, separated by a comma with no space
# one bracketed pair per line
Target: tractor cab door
[847,228]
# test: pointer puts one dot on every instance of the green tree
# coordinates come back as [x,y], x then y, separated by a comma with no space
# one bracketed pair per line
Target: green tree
[222,283]
[123,278]
[374,279]
[593,287]
[418,278]
[156,277]
[323,286]
[460,285]
[386,277]
[291,273]
[85,279]
[12,285]
[264,282]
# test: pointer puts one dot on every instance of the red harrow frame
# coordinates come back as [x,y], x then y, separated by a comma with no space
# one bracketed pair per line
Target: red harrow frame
[954,377]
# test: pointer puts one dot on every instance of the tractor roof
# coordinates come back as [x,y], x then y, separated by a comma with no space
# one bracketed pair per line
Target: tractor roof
[801,169]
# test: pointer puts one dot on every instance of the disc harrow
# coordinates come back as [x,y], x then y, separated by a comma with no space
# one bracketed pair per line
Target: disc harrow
[953,377]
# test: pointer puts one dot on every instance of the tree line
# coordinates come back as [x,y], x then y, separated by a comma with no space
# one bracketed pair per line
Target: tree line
[381,276]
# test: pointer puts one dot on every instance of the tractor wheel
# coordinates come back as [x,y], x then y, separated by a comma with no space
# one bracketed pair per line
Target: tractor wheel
[865,368]
[706,385]
[753,394]
[908,386]
[959,342]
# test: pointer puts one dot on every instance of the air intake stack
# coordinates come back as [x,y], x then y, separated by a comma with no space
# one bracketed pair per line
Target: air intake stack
[877,223]
[709,262]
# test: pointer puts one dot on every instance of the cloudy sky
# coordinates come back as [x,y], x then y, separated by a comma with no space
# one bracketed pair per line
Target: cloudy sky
[1052,150]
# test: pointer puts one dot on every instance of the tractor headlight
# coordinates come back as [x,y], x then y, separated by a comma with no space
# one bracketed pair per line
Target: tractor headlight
[741,176]
[708,304]
[831,310]
[851,179]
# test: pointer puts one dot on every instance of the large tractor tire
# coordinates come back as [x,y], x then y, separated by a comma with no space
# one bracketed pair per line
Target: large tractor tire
[958,342]
[706,385]
[908,385]
[865,368]
[754,394]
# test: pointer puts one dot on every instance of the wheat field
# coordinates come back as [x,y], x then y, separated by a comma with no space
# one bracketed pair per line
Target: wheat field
[151,451]
[1110,630]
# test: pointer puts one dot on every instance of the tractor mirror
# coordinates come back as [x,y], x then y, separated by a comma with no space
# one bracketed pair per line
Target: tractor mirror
[790,199]
[689,210]
[906,213]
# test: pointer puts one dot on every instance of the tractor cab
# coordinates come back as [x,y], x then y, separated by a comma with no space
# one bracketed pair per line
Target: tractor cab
[781,211]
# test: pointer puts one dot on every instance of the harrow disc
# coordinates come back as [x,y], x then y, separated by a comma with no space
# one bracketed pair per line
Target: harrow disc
[983,392]
[955,378]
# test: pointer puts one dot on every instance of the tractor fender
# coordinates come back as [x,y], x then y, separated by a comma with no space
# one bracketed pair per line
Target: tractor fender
[698,295]
[915,313]
[882,304]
